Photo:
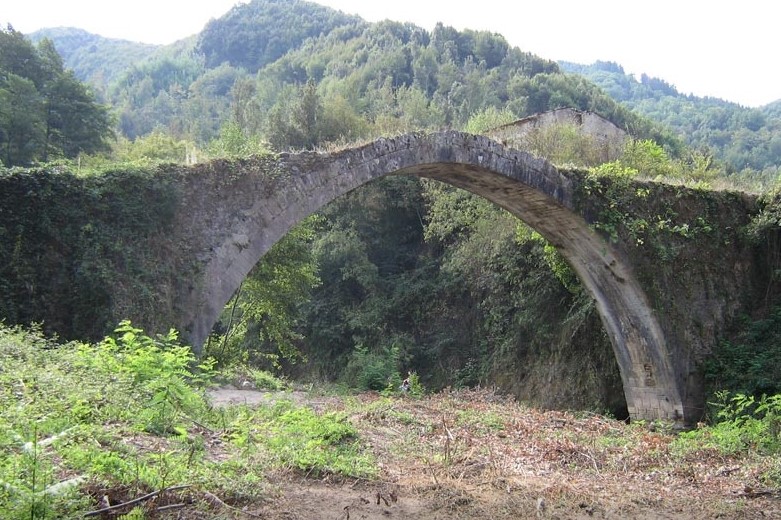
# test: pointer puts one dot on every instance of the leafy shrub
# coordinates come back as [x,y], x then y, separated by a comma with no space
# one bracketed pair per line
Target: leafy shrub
[414,387]
[298,437]
[128,414]
[372,370]
[751,362]
[745,424]
[267,381]
[316,443]
[161,368]
[261,379]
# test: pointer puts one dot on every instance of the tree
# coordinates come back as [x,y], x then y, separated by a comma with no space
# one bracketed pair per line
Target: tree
[234,143]
[488,119]
[244,106]
[22,127]
[18,56]
[260,321]
[45,111]
[301,119]
[307,114]
[74,122]
[157,146]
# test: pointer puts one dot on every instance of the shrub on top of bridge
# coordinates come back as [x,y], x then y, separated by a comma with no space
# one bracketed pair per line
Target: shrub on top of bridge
[616,202]
[767,222]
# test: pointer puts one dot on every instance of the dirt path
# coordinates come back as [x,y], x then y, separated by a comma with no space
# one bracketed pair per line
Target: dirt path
[230,395]
[477,455]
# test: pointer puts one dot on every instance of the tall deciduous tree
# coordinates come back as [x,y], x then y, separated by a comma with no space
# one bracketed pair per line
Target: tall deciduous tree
[21,119]
[260,322]
[45,110]
[294,122]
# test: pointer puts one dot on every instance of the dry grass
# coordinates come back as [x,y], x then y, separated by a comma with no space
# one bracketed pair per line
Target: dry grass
[474,454]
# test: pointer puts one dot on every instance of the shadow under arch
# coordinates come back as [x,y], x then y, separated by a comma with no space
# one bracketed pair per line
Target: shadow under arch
[529,188]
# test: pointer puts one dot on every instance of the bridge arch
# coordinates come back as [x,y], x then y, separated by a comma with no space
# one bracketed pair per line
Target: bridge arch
[254,218]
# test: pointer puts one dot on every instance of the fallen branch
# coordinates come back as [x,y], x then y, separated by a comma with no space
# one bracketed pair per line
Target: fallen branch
[199,425]
[725,472]
[135,500]
[307,475]
[448,439]
[755,493]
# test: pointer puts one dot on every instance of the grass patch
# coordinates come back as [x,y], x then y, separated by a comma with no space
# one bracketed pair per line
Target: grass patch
[288,436]
[128,416]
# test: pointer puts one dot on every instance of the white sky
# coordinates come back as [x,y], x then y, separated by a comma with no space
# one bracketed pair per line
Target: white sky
[728,50]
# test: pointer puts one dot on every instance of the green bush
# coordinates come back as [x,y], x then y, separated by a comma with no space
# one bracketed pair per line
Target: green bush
[750,363]
[60,406]
[372,370]
[160,368]
[745,424]
[415,388]
[128,413]
[286,435]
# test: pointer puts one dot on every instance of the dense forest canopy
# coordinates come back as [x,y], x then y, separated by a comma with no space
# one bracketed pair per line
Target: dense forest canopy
[95,59]
[401,275]
[371,78]
[255,34]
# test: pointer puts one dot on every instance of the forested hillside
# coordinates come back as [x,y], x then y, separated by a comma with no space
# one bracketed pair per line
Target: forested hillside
[94,59]
[253,35]
[372,78]
[773,109]
[748,140]
[401,275]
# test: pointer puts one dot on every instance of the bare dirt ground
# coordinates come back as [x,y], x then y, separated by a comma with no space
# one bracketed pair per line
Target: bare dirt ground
[474,454]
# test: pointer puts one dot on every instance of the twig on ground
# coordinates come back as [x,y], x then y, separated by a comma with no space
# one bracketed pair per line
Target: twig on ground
[755,493]
[589,454]
[135,500]
[307,474]
[433,474]
[199,425]
[448,439]
[171,506]
[357,480]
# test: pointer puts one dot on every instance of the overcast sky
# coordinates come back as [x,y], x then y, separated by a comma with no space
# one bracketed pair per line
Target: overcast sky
[728,50]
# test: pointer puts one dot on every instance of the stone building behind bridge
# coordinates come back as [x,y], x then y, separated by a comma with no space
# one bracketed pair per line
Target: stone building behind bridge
[605,138]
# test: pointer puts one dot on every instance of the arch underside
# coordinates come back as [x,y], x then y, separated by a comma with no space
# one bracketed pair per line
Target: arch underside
[529,188]
[637,339]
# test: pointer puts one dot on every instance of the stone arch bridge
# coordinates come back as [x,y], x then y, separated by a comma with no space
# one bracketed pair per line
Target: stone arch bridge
[662,298]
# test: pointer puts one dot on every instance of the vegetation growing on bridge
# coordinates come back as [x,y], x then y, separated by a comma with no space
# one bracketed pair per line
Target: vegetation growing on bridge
[79,253]
[413,276]
[746,139]
[399,276]
[749,362]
